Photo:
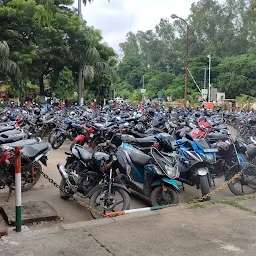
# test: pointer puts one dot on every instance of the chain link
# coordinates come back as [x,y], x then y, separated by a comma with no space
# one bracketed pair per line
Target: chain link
[216,190]
[87,206]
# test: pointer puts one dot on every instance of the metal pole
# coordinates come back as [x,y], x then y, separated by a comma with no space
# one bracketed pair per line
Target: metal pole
[80,72]
[186,71]
[18,188]
[204,78]
[209,92]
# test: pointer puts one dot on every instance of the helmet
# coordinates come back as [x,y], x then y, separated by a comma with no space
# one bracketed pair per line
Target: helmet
[37,111]
[72,113]
[139,128]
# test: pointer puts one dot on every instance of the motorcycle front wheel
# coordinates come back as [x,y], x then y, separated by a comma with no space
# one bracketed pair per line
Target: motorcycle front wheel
[160,197]
[58,141]
[205,186]
[118,201]
[245,184]
[52,136]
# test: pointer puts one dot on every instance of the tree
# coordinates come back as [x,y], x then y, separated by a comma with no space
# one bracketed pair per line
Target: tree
[65,84]
[8,68]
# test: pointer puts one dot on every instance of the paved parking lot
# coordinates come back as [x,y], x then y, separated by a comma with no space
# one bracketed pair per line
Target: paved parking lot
[70,211]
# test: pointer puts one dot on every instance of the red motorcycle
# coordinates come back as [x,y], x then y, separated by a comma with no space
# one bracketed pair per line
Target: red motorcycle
[201,131]
[86,136]
[30,166]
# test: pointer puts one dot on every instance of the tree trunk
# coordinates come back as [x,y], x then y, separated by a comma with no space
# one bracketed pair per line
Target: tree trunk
[41,86]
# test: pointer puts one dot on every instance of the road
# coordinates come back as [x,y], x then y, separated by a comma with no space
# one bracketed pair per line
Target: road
[69,210]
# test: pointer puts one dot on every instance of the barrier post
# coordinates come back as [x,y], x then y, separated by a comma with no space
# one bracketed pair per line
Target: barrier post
[18,188]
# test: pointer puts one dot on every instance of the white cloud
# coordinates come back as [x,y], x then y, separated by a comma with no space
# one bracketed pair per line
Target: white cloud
[117,18]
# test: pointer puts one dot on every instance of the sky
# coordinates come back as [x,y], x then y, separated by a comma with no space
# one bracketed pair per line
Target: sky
[117,18]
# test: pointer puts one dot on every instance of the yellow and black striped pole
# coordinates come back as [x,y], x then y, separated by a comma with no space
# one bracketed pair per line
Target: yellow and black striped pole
[18,188]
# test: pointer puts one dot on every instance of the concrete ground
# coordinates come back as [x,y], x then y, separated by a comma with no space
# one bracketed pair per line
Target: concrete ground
[214,230]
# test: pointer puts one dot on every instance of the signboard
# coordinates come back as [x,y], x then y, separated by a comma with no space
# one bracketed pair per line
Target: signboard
[204,93]
[143,91]
[160,95]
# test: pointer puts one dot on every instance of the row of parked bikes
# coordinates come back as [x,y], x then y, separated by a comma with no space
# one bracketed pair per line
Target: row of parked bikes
[154,152]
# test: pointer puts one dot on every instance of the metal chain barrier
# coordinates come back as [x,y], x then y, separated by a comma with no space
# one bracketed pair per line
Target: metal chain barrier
[226,183]
[71,196]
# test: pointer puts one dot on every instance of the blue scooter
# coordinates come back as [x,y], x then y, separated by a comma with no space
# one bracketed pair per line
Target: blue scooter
[151,175]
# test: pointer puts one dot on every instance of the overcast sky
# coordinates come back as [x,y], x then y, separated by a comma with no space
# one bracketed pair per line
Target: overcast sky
[117,18]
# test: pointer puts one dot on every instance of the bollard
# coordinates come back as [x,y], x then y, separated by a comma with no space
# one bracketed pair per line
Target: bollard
[18,188]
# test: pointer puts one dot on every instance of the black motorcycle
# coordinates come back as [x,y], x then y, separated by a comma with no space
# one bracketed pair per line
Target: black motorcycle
[93,175]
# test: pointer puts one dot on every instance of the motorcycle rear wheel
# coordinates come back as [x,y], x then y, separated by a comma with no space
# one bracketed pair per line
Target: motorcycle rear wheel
[26,186]
[63,195]
[169,197]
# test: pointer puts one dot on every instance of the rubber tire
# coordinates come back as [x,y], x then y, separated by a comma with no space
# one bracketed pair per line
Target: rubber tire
[62,194]
[158,189]
[205,186]
[123,192]
[55,140]
[37,177]
[236,192]
[51,136]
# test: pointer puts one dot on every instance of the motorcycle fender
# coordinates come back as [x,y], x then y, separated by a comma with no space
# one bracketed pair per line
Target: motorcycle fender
[202,171]
[171,182]
[102,185]
[60,133]
[80,138]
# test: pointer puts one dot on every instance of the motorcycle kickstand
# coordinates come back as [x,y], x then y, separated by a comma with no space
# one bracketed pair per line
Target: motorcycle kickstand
[213,181]
[9,195]
[183,188]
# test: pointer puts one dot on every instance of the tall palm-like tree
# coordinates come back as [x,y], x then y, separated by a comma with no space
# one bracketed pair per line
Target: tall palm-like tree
[8,68]
[94,65]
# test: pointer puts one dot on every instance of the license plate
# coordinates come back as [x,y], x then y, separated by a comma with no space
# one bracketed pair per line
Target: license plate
[210,150]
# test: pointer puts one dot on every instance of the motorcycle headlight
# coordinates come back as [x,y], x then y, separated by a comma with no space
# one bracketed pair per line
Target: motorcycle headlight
[171,171]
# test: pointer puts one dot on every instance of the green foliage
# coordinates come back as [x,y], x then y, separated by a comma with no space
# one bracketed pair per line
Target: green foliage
[65,84]
[125,94]
[225,30]
[45,36]
[8,68]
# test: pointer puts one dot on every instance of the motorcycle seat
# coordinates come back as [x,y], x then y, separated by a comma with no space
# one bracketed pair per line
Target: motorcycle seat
[13,138]
[220,127]
[22,143]
[7,134]
[138,157]
[216,135]
[202,142]
[6,128]
[128,138]
[251,151]
[146,140]
[32,151]
[84,154]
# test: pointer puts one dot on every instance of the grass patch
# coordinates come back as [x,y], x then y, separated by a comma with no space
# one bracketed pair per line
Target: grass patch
[232,201]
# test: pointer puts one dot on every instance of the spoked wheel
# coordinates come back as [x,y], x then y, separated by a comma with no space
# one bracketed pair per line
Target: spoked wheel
[58,141]
[118,201]
[30,174]
[52,136]
[164,197]
[245,184]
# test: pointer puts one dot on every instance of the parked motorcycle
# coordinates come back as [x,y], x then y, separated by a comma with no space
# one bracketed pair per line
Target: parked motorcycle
[93,175]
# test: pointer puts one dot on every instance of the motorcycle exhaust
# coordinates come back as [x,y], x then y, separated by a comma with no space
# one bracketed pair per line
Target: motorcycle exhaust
[62,171]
